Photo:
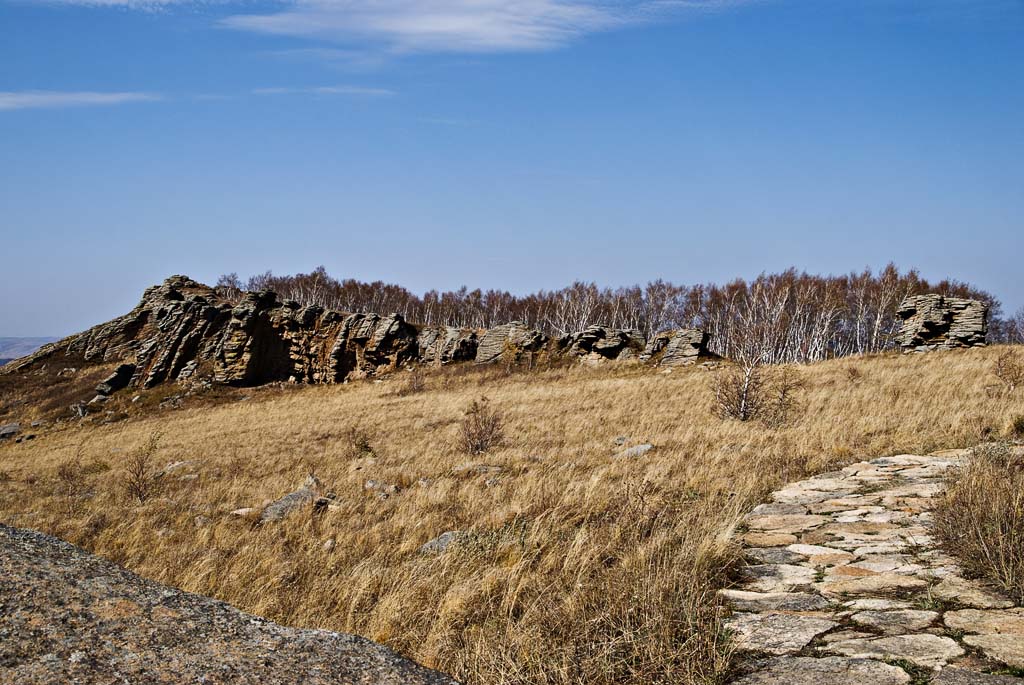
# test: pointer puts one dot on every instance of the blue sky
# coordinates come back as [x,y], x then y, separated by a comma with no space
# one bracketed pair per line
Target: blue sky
[519,144]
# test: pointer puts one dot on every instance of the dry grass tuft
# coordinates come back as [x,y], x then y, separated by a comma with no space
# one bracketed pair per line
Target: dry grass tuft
[571,566]
[981,517]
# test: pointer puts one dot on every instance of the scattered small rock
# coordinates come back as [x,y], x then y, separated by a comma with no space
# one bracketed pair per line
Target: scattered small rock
[441,543]
[635,451]
[292,501]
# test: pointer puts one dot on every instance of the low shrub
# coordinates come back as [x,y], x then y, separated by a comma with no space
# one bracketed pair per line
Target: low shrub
[481,428]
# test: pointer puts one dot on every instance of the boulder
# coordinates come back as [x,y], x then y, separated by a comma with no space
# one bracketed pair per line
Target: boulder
[9,430]
[676,347]
[932,322]
[296,499]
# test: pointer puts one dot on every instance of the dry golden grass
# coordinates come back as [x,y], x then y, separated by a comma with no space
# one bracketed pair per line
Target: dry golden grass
[981,518]
[576,567]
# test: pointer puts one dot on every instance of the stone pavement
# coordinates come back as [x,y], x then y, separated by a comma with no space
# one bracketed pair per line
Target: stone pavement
[844,585]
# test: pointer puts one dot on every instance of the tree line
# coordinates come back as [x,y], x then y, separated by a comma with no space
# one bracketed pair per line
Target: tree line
[790,316]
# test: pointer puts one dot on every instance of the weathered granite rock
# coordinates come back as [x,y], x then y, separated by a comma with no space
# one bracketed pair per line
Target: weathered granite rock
[933,322]
[69,617]
[509,341]
[9,430]
[923,649]
[745,600]
[831,670]
[443,345]
[674,348]
[296,499]
[599,343]
[777,633]
[896,622]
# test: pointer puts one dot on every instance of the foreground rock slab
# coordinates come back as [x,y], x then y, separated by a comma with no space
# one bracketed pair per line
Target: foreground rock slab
[69,617]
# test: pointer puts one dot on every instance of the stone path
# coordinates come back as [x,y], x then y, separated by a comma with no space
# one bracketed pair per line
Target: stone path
[844,585]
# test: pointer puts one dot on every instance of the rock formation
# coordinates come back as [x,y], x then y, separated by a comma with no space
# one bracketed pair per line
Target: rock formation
[597,343]
[441,345]
[932,322]
[674,348]
[510,341]
[70,617]
[183,331]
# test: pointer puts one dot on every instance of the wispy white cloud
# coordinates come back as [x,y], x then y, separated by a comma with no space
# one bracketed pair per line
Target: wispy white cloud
[39,99]
[357,91]
[404,26]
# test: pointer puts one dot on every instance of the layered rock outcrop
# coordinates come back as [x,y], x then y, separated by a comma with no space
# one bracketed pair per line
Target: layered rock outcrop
[598,343]
[675,348]
[442,345]
[932,322]
[509,341]
[183,331]
[69,617]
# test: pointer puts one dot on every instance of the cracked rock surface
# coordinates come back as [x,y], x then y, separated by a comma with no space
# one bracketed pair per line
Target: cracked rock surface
[844,584]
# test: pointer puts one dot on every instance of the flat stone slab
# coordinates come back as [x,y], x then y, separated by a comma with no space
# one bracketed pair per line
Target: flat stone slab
[828,670]
[924,649]
[879,583]
[988,621]
[768,539]
[772,555]
[777,633]
[1006,648]
[951,675]
[969,593]
[876,604]
[896,622]
[777,577]
[786,523]
[777,509]
[744,600]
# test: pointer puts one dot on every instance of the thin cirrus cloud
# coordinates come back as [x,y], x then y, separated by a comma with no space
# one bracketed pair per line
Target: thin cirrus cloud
[355,91]
[417,26]
[50,99]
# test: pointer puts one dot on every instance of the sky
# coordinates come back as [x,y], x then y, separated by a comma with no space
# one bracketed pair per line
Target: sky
[519,145]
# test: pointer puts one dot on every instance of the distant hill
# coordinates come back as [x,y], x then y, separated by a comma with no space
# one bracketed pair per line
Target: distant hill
[12,348]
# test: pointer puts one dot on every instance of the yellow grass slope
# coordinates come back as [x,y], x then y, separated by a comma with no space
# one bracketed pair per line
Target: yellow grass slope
[577,567]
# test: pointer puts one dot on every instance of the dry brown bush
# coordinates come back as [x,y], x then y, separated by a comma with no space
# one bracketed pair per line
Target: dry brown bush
[1009,369]
[140,479]
[981,518]
[583,568]
[481,427]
